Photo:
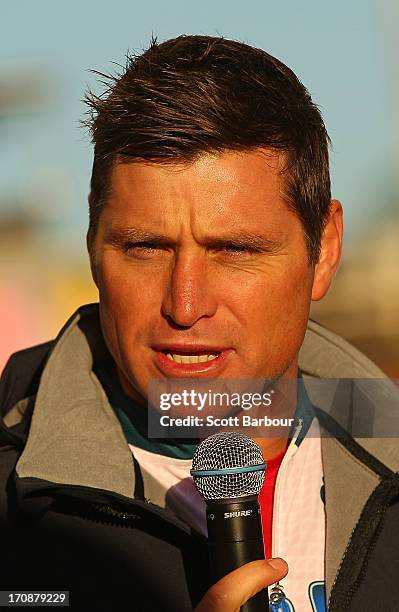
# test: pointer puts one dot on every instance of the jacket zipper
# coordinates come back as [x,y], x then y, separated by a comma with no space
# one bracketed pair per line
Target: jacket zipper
[107,513]
[370,548]
[359,580]
[96,511]
[340,566]
[277,490]
[278,588]
[118,515]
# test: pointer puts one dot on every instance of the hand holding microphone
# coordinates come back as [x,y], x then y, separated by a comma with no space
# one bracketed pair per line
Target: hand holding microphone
[228,471]
[233,591]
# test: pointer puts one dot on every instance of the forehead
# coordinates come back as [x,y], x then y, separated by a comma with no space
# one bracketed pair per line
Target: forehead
[225,188]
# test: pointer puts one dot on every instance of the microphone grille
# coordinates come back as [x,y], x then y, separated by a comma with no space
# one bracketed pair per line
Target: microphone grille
[228,465]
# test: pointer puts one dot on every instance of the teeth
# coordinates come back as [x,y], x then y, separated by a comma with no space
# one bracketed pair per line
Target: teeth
[191,358]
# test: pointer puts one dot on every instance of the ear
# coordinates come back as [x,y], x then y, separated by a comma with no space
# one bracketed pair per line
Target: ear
[330,252]
[90,249]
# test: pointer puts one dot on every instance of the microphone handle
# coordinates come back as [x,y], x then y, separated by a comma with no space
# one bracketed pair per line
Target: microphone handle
[235,538]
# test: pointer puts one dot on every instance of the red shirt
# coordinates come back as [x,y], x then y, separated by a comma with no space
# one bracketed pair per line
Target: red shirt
[266,497]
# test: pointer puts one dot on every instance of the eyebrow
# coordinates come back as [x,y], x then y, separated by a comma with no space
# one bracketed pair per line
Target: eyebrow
[119,237]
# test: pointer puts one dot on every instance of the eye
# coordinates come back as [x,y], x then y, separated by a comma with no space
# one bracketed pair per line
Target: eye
[236,249]
[146,245]
[141,248]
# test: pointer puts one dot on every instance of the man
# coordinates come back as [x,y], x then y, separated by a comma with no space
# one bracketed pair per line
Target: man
[211,230]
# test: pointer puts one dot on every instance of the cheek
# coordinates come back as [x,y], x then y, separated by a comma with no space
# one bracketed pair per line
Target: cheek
[128,305]
[277,310]
[125,290]
[278,292]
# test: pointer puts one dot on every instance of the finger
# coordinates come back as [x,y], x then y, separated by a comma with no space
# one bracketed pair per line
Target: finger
[233,590]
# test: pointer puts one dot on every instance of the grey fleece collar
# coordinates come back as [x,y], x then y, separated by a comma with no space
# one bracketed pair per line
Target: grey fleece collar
[75,437]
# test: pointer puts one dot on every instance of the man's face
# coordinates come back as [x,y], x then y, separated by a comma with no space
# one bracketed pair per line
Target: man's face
[201,259]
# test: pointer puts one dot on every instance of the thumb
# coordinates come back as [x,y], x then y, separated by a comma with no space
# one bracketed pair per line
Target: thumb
[236,588]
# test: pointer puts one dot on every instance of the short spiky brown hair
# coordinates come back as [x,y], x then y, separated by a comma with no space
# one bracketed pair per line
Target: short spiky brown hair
[193,95]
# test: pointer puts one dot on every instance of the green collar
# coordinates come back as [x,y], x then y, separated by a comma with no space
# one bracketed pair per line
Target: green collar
[133,417]
[304,413]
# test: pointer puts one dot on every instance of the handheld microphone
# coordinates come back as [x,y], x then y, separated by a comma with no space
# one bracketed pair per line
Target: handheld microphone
[229,470]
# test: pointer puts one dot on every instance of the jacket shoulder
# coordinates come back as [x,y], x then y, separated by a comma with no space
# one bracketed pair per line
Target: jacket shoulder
[21,375]
[324,354]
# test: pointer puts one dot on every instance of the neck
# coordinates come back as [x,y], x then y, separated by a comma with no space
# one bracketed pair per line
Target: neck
[286,406]
[271,447]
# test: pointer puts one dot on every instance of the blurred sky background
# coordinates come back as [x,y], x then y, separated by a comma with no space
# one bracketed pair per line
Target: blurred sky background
[344,52]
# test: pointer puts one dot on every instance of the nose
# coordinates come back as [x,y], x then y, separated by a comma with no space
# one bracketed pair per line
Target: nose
[189,295]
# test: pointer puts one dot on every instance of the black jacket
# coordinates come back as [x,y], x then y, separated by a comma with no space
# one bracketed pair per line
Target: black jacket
[78,514]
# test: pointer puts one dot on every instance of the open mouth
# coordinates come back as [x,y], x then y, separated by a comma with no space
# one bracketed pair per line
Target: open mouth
[178,360]
[193,357]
